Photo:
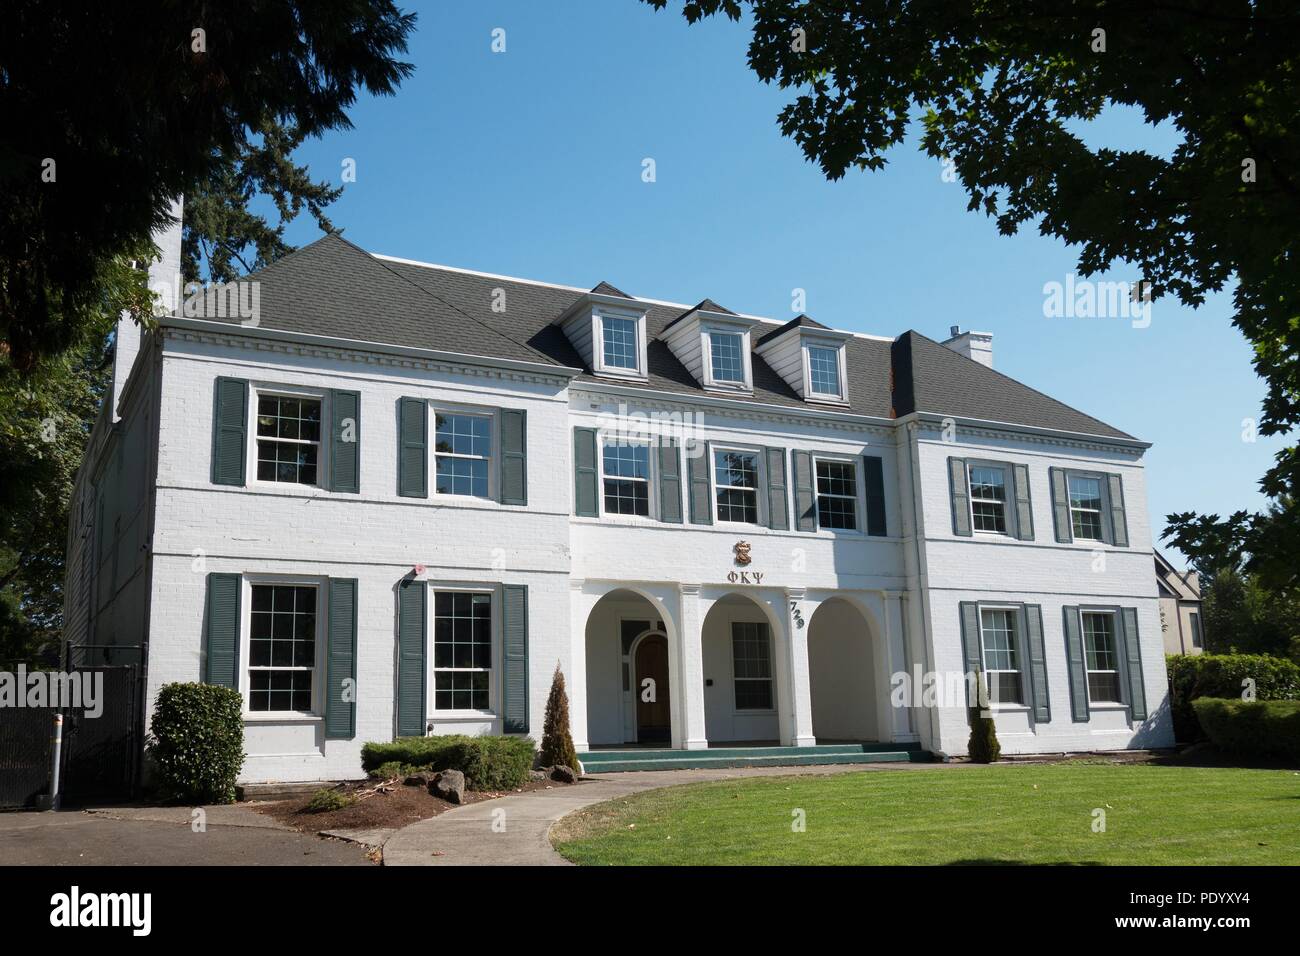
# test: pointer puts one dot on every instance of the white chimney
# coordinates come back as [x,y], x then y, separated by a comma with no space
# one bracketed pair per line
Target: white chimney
[973,345]
[164,278]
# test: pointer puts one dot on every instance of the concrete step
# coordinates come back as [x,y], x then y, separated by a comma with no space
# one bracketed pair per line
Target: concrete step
[703,759]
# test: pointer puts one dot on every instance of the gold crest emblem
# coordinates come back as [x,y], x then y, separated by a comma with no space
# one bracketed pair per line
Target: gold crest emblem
[742,552]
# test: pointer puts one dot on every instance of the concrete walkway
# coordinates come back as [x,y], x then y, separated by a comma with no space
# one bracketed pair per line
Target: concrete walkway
[466,837]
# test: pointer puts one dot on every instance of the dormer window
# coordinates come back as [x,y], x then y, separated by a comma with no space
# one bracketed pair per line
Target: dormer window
[619,343]
[824,371]
[811,359]
[714,344]
[607,328]
[727,354]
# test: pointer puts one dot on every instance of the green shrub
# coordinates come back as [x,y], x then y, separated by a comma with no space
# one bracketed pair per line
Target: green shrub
[393,769]
[488,763]
[983,746]
[557,741]
[197,742]
[1221,675]
[327,799]
[1256,727]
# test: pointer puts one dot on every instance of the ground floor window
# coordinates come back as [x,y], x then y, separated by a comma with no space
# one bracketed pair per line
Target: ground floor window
[751,656]
[282,648]
[1100,657]
[462,650]
[1001,661]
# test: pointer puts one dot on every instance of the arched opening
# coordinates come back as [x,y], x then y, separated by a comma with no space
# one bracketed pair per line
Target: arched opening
[842,674]
[626,642]
[739,656]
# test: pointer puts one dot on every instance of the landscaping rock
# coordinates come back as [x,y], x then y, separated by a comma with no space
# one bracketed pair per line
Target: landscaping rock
[564,774]
[536,775]
[450,785]
[422,779]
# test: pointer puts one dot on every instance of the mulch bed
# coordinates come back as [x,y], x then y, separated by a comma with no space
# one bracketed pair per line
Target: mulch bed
[394,805]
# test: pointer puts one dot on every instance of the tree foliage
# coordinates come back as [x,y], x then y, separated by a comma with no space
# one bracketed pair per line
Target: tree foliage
[1003,88]
[557,748]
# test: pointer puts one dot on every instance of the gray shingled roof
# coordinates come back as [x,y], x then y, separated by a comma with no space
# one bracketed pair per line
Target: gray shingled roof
[334,288]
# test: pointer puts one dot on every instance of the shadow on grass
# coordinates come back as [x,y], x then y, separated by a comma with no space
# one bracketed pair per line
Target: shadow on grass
[1206,755]
[993,862]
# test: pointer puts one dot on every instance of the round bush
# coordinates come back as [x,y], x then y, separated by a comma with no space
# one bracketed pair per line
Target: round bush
[197,742]
[1223,676]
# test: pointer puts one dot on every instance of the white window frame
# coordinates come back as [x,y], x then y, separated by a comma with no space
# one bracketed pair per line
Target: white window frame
[651,478]
[831,345]
[431,669]
[771,666]
[598,317]
[859,509]
[758,489]
[257,390]
[1118,669]
[715,327]
[1005,502]
[248,582]
[493,458]
[1103,499]
[1016,647]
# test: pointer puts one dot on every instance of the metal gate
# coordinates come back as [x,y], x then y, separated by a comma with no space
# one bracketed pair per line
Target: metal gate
[101,753]
[25,734]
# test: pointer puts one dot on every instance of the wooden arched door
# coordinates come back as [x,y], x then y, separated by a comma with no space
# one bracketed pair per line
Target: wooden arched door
[653,722]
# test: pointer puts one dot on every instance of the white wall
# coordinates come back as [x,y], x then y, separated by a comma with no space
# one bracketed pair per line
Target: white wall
[843,674]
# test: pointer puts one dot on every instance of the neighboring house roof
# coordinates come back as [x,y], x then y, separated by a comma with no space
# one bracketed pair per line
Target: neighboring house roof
[334,288]
[1183,585]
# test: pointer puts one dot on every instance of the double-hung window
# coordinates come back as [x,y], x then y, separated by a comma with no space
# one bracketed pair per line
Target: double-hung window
[824,371]
[627,478]
[751,657]
[1001,660]
[463,454]
[462,650]
[735,476]
[282,648]
[1100,657]
[1085,507]
[619,348]
[988,498]
[726,357]
[288,439]
[1194,621]
[837,494]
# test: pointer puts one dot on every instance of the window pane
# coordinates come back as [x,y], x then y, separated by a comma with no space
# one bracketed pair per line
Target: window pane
[738,505]
[752,665]
[462,476]
[824,370]
[627,461]
[1086,524]
[462,639]
[727,362]
[837,494]
[463,435]
[1085,492]
[1099,642]
[1104,687]
[291,462]
[627,497]
[739,468]
[620,343]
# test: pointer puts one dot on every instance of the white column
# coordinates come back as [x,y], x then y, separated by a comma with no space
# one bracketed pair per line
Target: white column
[579,608]
[797,725]
[899,662]
[688,682]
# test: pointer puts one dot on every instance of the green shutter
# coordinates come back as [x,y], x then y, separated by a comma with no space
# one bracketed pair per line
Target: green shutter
[341,660]
[513,482]
[586,479]
[411,629]
[1137,699]
[1024,507]
[413,448]
[514,682]
[778,511]
[697,473]
[1031,626]
[1060,505]
[345,454]
[229,431]
[972,660]
[223,630]
[874,475]
[1075,662]
[1118,520]
[805,501]
[960,496]
[670,482]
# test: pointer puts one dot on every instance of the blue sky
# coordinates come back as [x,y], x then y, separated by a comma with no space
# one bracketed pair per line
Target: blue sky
[529,163]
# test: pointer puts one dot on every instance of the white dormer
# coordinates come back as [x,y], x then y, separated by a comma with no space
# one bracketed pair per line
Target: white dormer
[811,359]
[608,329]
[714,344]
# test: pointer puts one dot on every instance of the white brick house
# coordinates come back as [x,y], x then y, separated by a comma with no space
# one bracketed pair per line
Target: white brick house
[399,499]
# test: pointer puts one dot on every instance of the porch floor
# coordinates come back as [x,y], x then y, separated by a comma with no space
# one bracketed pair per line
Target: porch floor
[756,754]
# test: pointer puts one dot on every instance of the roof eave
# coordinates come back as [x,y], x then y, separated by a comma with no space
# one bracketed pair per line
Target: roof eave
[1028,429]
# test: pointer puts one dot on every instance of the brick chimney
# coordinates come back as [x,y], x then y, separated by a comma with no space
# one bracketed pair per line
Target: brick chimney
[973,345]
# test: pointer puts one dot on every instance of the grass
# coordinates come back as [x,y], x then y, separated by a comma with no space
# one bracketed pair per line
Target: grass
[1154,815]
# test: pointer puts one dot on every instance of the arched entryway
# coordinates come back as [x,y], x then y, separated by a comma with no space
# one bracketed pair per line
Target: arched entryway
[739,648]
[842,674]
[628,643]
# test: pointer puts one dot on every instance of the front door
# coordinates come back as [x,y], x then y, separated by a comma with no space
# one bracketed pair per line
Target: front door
[652,721]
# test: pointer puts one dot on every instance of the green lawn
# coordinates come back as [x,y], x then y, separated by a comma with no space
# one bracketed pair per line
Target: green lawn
[1000,814]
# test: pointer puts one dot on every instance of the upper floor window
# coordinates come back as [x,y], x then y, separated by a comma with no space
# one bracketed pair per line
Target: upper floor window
[1100,657]
[282,648]
[988,498]
[462,650]
[627,478]
[735,476]
[288,439]
[463,454]
[620,347]
[751,658]
[1194,619]
[837,494]
[1001,661]
[726,356]
[1085,507]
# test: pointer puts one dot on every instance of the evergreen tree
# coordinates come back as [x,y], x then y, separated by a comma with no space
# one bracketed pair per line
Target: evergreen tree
[983,746]
[557,742]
